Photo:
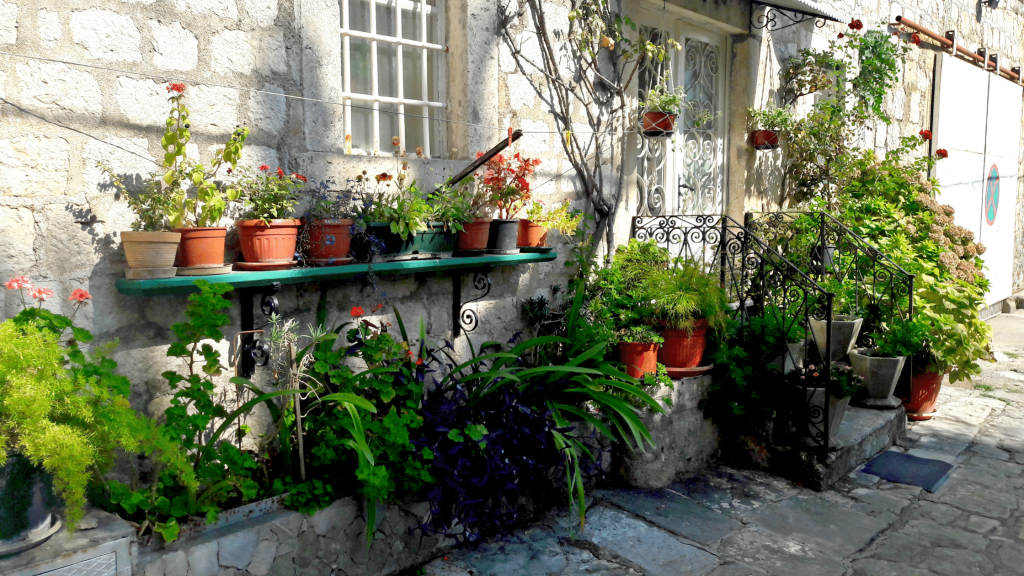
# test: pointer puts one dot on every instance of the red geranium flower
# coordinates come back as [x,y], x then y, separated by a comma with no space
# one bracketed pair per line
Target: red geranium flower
[941,153]
[18,282]
[176,87]
[264,168]
[915,39]
[301,177]
[841,35]
[41,293]
[925,134]
[357,311]
[384,177]
[856,25]
[419,361]
[80,296]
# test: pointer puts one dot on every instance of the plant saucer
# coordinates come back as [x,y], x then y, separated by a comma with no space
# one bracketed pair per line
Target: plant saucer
[677,373]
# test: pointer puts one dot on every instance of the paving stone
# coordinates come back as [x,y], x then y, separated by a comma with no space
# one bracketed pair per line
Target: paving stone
[983,501]
[947,536]
[940,513]
[880,501]
[778,555]
[996,467]
[732,493]
[1011,554]
[674,513]
[734,569]
[872,567]
[864,479]
[654,551]
[990,452]
[533,551]
[981,524]
[823,525]
[954,562]
[900,549]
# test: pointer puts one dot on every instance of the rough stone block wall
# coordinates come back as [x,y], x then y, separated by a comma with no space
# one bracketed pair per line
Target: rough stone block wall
[288,543]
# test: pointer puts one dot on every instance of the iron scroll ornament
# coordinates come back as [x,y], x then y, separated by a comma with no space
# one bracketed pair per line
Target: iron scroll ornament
[468,319]
[770,19]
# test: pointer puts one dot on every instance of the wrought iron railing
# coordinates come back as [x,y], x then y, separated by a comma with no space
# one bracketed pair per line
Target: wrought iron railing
[765,288]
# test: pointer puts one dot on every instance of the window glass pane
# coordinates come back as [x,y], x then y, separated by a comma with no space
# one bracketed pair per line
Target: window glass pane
[413,129]
[412,76]
[388,126]
[432,90]
[435,133]
[432,32]
[411,24]
[387,69]
[359,61]
[362,126]
[359,15]
[386,19]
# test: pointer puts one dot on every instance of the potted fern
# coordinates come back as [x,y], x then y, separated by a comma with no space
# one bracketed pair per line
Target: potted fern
[688,303]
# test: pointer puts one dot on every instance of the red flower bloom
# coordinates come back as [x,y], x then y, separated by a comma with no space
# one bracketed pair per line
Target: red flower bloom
[925,134]
[301,177]
[419,361]
[280,173]
[915,39]
[18,282]
[856,25]
[357,311]
[408,353]
[41,293]
[176,87]
[941,153]
[384,177]
[264,168]
[841,35]
[378,307]
[80,296]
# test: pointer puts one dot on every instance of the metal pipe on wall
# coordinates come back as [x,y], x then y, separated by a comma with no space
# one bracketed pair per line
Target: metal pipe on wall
[947,43]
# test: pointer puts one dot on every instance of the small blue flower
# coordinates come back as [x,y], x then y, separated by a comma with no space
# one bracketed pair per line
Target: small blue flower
[329,240]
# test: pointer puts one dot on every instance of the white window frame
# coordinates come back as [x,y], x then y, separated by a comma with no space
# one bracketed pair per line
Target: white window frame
[423,10]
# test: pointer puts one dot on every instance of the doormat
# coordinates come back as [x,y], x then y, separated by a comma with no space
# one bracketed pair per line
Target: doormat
[906,469]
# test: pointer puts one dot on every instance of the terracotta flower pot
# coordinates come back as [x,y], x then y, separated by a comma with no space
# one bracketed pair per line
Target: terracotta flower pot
[273,241]
[531,235]
[474,234]
[684,348]
[765,139]
[328,239]
[639,357]
[150,249]
[658,124]
[924,393]
[201,247]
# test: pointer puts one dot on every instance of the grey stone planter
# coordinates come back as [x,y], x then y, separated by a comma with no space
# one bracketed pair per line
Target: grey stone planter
[880,376]
[812,428]
[845,330]
[792,359]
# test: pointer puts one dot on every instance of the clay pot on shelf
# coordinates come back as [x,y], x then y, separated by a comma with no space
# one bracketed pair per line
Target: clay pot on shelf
[845,330]
[924,394]
[880,375]
[201,247]
[639,357]
[328,240]
[270,242]
[531,235]
[473,237]
[658,124]
[684,348]
[503,236]
[765,139]
[151,251]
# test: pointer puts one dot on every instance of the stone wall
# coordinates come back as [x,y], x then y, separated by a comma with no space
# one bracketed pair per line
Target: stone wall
[62,219]
[910,103]
[288,543]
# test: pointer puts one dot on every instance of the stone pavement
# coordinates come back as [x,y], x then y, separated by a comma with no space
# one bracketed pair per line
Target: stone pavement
[726,522]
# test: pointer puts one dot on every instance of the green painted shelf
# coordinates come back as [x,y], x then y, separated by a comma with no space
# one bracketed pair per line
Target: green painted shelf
[183,284]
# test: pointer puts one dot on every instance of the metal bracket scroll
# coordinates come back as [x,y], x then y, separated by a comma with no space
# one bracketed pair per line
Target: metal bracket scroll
[463,318]
[769,19]
[254,350]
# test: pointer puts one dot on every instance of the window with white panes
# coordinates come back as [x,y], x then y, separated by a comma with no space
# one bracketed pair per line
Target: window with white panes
[393,74]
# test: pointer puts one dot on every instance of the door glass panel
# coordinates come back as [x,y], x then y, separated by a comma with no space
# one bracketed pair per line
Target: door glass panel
[700,147]
[650,166]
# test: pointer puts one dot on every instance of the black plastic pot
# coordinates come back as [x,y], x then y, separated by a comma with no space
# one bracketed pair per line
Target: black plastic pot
[27,505]
[504,237]
[379,240]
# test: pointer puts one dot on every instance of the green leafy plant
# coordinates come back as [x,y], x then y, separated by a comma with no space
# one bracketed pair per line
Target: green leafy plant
[269,195]
[394,201]
[67,410]
[561,218]
[844,382]
[640,334]
[661,99]
[903,338]
[682,294]
[506,179]
[769,118]
[452,206]
[150,204]
[774,326]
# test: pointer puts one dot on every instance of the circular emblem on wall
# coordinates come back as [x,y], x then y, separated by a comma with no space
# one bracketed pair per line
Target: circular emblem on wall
[992,195]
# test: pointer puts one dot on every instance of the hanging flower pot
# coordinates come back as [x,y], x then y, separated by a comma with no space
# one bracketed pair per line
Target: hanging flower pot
[823,259]
[684,348]
[151,251]
[765,139]
[473,237]
[328,241]
[639,357]
[659,124]
[531,235]
[201,247]
[271,241]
